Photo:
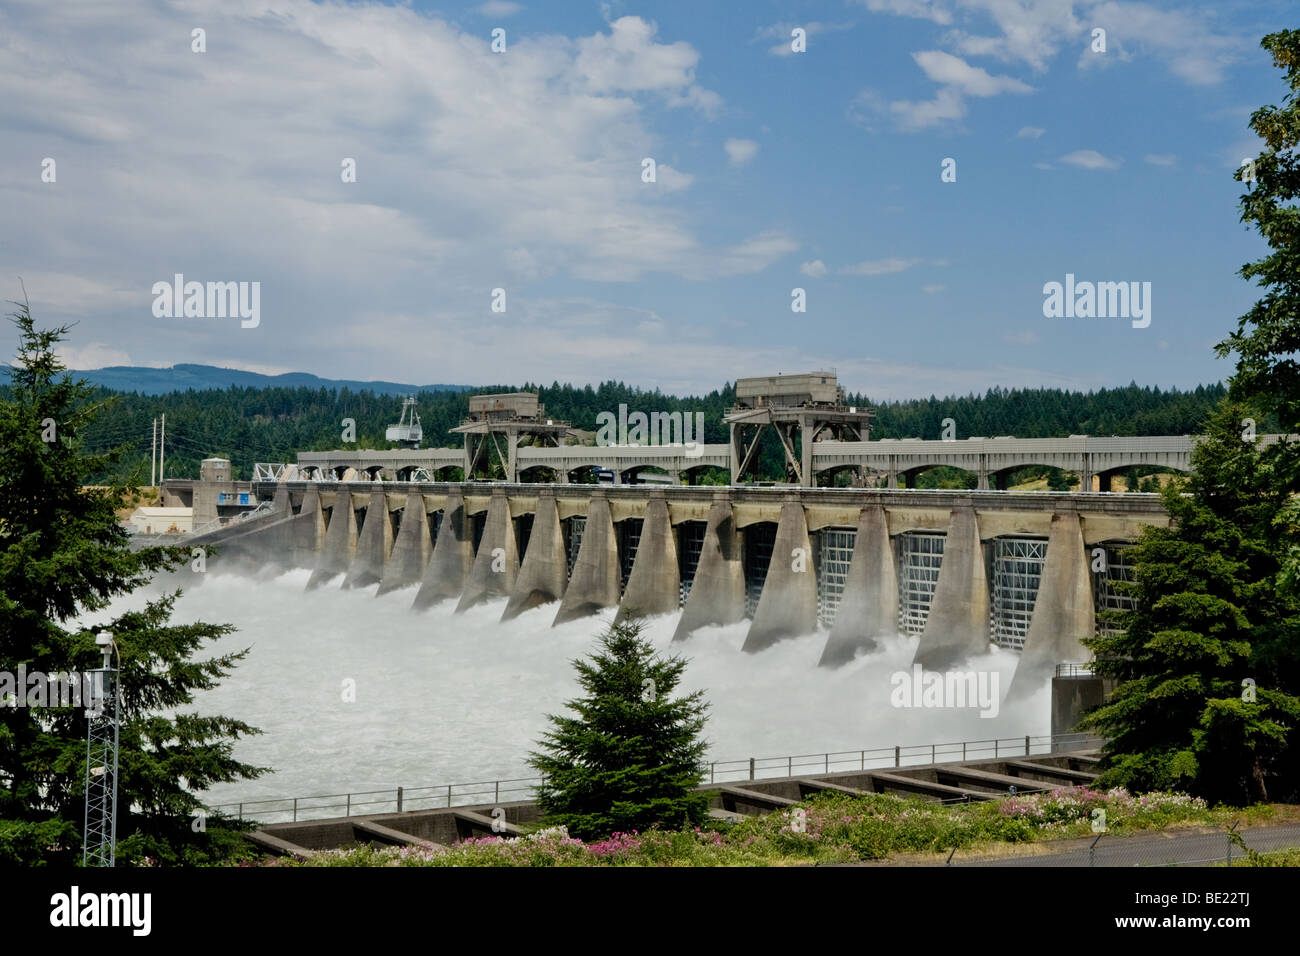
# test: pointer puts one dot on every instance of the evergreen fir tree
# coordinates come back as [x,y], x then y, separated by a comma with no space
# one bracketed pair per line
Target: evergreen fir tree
[1198,706]
[632,755]
[63,553]
[1210,659]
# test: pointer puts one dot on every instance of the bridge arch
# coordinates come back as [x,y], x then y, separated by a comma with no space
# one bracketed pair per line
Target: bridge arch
[912,475]
[826,477]
[998,478]
[583,474]
[539,474]
[1106,476]
[632,476]
[694,473]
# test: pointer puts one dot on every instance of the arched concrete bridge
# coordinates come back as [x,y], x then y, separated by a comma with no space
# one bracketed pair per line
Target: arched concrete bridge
[959,569]
[568,462]
[987,458]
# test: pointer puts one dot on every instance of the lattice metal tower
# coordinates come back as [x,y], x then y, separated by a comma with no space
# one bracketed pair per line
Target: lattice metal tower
[100,828]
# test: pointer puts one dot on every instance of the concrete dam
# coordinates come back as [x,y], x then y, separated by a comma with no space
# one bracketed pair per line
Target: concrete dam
[958,569]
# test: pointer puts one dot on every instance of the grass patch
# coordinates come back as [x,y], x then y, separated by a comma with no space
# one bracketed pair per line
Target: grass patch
[1277,858]
[831,828]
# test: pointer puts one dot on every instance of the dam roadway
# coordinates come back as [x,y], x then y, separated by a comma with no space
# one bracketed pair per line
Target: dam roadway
[958,569]
[1095,460]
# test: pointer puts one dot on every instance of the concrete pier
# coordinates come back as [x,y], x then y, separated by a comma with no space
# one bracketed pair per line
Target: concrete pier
[373,544]
[307,538]
[958,625]
[718,591]
[410,552]
[788,605]
[453,554]
[340,542]
[497,562]
[545,570]
[869,607]
[1064,613]
[654,586]
[594,584]
[952,620]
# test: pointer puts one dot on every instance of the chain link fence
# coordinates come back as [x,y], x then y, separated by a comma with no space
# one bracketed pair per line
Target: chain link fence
[1230,846]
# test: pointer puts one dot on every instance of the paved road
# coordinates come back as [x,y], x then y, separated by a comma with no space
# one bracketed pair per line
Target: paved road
[1177,848]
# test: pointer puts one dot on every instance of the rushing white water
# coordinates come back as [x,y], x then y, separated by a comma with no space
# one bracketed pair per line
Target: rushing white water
[445,698]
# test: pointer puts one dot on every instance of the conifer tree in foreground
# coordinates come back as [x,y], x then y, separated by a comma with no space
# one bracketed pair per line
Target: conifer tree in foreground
[1202,704]
[1209,661]
[632,755]
[63,554]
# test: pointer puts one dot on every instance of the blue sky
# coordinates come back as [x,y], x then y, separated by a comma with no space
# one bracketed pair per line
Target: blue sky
[522,170]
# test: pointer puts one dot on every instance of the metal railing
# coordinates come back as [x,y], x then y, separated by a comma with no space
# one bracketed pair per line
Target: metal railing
[1075,670]
[263,508]
[446,796]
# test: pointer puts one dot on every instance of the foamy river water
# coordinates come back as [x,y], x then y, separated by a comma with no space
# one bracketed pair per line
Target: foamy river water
[444,698]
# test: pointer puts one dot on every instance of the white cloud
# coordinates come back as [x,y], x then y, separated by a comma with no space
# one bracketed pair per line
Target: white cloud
[948,106]
[935,10]
[91,356]
[1026,31]
[814,270]
[473,171]
[970,80]
[1161,159]
[628,60]
[865,108]
[1181,39]
[933,287]
[740,151]
[68,294]
[671,180]
[753,255]
[1090,159]
[498,8]
[879,267]
[1030,132]
[958,80]
[1033,32]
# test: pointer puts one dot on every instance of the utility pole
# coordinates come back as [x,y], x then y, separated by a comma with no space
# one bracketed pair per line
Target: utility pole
[162,453]
[153,457]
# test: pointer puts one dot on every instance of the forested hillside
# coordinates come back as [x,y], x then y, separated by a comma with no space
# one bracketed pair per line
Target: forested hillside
[248,425]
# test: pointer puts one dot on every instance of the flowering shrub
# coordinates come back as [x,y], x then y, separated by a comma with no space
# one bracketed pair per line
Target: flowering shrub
[830,827]
[1070,804]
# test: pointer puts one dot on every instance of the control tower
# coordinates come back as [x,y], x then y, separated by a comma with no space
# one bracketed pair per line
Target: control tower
[812,405]
[515,417]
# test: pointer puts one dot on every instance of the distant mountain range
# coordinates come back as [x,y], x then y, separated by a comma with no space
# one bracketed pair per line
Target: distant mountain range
[178,378]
